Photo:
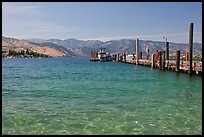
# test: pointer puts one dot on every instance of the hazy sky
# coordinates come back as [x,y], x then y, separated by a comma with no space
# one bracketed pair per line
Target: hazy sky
[102,20]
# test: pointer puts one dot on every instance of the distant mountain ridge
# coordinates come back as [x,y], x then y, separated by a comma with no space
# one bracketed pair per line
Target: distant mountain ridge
[83,48]
[57,47]
[45,48]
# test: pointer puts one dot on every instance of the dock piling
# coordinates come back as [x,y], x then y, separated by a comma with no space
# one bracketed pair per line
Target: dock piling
[187,55]
[190,48]
[163,60]
[148,54]
[160,60]
[137,51]
[140,55]
[167,54]
[177,60]
[153,61]
[124,57]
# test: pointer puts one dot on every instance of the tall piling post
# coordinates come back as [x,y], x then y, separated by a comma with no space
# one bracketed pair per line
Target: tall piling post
[190,49]
[177,60]
[160,60]
[163,60]
[153,61]
[137,51]
[167,54]
[148,54]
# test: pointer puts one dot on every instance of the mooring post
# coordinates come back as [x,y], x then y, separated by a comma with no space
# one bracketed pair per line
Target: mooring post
[124,57]
[157,58]
[121,58]
[148,54]
[160,60]
[163,60]
[133,56]
[177,60]
[153,61]
[187,55]
[167,54]
[190,49]
[137,51]
[140,55]
[114,57]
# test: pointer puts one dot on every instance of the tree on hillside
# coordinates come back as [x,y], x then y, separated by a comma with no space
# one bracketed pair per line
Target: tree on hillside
[12,52]
[27,52]
[22,52]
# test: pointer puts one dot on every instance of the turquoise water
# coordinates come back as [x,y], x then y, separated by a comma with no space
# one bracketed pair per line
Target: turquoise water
[76,96]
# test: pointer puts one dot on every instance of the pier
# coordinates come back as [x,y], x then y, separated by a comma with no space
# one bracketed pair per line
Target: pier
[161,59]
[172,65]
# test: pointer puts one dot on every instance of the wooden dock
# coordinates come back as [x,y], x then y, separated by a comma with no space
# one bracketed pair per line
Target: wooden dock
[160,59]
[183,66]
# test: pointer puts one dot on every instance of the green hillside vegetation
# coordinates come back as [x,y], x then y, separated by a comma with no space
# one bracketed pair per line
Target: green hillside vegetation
[26,53]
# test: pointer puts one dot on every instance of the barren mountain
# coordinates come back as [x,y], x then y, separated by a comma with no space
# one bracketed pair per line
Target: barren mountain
[84,48]
[18,45]
[74,47]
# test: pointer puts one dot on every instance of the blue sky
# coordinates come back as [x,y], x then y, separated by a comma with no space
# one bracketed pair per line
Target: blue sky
[102,20]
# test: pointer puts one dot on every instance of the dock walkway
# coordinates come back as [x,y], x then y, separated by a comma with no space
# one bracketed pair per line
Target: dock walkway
[183,67]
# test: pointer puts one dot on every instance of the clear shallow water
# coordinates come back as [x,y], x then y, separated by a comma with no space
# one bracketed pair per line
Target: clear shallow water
[76,96]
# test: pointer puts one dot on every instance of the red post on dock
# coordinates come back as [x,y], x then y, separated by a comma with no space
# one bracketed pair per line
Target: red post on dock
[157,56]
[190,48]
[187,56]
[177,60]
[137,51]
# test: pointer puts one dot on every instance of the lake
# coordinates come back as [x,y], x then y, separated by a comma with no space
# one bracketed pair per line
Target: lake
[76,96]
